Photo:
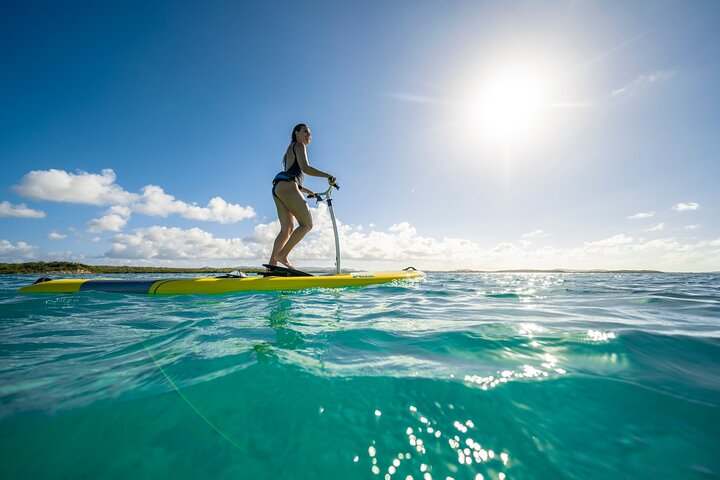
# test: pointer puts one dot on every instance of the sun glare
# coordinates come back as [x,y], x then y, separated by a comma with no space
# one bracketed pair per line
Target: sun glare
[508,109]
[509,106]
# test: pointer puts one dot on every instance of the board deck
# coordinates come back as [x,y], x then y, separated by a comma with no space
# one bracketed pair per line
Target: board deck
[213,285]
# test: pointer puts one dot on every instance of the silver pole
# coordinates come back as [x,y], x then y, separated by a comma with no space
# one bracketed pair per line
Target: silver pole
[335,231]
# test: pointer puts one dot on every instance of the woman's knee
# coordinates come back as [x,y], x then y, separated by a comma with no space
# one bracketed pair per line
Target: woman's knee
[306,225]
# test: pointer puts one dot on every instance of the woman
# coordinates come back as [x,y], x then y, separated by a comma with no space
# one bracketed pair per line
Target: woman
[288,195]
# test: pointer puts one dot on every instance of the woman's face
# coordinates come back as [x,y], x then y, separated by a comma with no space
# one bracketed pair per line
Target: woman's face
[303,135]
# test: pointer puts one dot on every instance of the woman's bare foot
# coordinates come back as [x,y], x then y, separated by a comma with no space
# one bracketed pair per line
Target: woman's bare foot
[273,262]
[285,262]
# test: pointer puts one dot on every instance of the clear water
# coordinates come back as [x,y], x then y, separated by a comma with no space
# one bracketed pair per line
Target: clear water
[525,376]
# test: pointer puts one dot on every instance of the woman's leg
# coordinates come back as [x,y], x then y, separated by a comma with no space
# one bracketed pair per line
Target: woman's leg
[286,229]
[292,199]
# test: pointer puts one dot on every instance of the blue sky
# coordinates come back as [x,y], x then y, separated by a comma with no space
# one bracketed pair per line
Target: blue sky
[464,134]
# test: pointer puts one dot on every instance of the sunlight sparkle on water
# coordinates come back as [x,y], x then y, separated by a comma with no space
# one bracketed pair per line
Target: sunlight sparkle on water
[597,336]
[425,436]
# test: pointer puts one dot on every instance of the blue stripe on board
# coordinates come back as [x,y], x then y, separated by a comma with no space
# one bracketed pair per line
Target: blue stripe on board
[118,286]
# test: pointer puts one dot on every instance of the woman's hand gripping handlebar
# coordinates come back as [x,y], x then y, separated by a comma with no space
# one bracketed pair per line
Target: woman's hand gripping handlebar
[326,194]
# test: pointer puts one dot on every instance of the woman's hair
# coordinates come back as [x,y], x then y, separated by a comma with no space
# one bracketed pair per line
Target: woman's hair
[295,130]
[293,139]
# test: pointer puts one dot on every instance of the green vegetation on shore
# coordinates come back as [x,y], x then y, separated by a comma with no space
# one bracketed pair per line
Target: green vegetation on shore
[80,268]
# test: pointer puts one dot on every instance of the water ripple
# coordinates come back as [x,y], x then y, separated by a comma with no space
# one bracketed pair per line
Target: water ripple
[457,376]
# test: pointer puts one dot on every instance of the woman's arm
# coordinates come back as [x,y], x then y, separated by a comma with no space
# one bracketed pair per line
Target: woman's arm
[301,156]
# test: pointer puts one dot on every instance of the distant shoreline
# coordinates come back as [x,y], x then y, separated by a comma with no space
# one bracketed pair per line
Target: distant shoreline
[554,270]
[72,268]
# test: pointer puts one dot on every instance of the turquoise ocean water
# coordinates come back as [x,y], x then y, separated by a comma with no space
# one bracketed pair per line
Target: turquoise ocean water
[467,376]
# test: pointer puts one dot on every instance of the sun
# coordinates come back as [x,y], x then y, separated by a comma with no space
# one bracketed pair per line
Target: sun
[508,105]
[510,108]
[511,104]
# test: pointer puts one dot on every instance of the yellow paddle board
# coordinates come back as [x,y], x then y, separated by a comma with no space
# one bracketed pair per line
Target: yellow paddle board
[210,285]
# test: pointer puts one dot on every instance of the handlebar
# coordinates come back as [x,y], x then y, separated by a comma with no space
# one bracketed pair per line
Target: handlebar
[324,195]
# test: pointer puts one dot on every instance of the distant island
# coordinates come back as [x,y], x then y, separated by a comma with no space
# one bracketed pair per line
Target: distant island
[72,268]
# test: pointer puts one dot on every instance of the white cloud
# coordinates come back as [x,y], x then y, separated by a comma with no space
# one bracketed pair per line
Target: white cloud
[18,252]
[401,243]
[536,234]
[696,226]
[101,189]
[641,83]
[113,221]
[7,209]
[656,228]
[620,239]
[686,207]
[399,246]
[155,202]
[85,188]
[55,235]
[641,215]
[616,252]
[166,243]
[265,233]
[661,254]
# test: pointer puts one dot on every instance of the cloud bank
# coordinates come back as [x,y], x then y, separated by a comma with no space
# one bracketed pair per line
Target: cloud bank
[402,245]
[101,190]
[165,243]
[368,247]
[18,252]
